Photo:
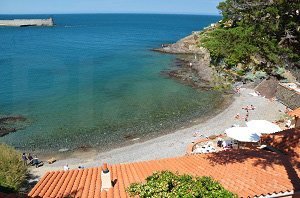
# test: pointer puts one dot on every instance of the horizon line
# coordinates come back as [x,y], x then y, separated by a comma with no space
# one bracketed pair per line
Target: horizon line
[208,14]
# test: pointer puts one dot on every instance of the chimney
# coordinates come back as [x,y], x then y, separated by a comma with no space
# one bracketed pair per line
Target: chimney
[106,182]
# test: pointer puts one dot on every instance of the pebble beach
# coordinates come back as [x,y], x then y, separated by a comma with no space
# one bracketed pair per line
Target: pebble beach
[173,144]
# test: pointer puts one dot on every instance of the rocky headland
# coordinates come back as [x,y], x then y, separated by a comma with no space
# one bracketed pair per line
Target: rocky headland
[192,62]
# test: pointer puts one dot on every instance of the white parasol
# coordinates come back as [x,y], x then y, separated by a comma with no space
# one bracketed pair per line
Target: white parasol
[263,126]
[242,134]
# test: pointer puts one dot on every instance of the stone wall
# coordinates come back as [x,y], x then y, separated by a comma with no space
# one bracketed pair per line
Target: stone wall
[288,96]
[27,22]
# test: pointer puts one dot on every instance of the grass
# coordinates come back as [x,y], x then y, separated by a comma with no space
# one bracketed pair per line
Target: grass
[12,170]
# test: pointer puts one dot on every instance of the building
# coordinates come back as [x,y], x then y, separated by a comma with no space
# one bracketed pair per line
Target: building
[248,173]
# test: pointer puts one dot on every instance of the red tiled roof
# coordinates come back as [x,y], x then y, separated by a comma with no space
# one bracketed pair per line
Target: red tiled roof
[295,113]
[245,172]
[287,141]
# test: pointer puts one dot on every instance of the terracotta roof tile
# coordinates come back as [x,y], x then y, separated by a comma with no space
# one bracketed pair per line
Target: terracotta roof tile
[295,113]
[288,141]
[245,172]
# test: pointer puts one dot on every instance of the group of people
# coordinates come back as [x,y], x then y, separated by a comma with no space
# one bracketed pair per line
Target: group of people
[34,161]
[247,109]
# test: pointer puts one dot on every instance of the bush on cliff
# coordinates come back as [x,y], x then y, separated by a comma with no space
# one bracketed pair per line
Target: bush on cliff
[166,184]
[256,28]
[12,169]
[233,45]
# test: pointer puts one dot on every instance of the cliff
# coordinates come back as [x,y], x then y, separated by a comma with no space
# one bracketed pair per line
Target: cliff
[187,45]
[195,61]
[27,22]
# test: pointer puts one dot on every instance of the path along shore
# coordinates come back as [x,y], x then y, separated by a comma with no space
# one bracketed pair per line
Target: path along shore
[173,144]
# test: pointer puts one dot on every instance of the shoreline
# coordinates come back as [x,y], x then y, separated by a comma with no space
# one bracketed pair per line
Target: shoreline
[173,144]
[227,101]
[183,76]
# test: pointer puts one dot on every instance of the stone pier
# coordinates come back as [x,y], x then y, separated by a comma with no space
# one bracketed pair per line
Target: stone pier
[27,22]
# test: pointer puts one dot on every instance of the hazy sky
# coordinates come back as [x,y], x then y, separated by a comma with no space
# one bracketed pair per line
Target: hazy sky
[108,6]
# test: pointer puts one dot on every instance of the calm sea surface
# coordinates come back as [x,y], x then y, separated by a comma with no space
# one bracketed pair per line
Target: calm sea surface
[92,80]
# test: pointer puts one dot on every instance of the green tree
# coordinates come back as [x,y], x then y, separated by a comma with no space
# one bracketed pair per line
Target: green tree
[268,28]
[167,184]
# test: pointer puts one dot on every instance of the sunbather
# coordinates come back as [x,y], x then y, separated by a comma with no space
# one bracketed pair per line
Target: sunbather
[36,162]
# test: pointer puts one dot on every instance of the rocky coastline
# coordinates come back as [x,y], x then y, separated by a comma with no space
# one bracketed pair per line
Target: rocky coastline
[10,124]
[192,64]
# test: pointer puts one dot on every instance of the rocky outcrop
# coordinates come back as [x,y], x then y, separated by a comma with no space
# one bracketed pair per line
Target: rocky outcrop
[195,68]
[188,75]
[7,124]
[187,45]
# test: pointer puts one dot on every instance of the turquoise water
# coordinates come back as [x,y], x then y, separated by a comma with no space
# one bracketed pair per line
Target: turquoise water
[92,80]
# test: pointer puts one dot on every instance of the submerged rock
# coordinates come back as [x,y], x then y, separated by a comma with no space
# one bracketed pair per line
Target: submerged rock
[12,119]
[10,124]
[193,61]
[5,131]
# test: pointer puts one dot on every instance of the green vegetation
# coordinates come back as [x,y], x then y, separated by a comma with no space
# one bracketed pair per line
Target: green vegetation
[255,35]
[12,169]
[166,184]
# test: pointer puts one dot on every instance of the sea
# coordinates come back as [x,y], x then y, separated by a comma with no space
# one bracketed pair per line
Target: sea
[92,80]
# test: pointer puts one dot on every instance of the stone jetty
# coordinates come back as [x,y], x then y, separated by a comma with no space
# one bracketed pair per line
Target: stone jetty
[27,22]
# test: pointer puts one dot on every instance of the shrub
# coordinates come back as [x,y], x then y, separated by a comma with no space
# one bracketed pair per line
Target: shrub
[234,45]
[166,184]
[12,170]
[260,74]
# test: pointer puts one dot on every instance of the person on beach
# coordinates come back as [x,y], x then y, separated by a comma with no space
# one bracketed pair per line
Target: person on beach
[247,116]
[35,162]
[249,107]
[30,158]
[66,167]
[24,159]
[237,116]
[286,110]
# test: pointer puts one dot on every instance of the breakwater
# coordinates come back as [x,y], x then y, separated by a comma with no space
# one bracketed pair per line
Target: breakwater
[27,22]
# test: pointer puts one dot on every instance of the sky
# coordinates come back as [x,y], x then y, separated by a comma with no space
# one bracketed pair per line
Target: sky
[109,6]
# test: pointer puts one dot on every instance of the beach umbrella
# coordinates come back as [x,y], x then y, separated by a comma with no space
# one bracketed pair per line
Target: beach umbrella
[263,126]
[242,134]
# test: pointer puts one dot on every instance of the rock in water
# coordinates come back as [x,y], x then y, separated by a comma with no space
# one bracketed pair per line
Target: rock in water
[196,60]
[9,124]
